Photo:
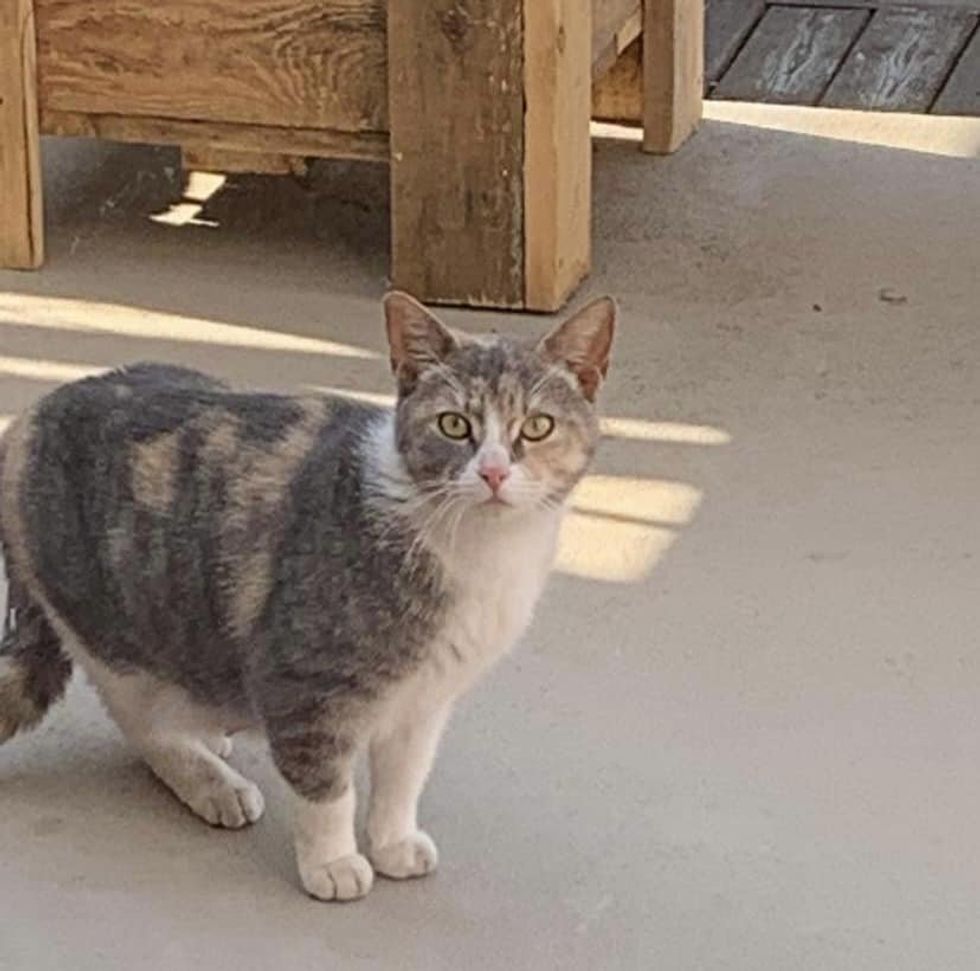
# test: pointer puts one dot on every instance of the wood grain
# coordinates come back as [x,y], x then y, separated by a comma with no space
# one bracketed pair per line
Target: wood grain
[225,160]
[727,24]
[673,72]
[618,95]
[961,94]
[206,136]
[969,5]
[456,108]
[557,151]
[615,25]
[21,210]
[901,60]
[306,63]
[792,55]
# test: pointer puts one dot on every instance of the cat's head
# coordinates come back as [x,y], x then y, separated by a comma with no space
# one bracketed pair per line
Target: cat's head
[493,421]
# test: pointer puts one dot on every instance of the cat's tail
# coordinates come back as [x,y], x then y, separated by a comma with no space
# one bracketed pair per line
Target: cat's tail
[34,671]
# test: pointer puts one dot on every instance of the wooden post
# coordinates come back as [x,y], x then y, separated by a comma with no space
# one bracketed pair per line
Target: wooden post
[673,72]
[490,157]
[21,216]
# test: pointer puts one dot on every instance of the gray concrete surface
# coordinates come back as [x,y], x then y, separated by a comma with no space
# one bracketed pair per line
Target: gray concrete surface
[743,733]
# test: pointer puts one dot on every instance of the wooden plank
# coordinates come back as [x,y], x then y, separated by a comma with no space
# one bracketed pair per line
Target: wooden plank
[969,5]
[225,160]
[727,24]
[901,60]
[557,151]
[961,93]
[673,72]
[456,108]
[792,55]
[304,63]
[211,136]
[615,25]
[21,211]
[618,95]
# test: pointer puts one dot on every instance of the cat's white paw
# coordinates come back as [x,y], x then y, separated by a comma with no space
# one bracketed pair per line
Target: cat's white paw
[232,805]
[414,856]
[222,746]
[348,878]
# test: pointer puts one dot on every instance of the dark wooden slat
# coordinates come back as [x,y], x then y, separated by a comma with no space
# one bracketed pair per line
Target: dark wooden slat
[791,56]
[961,95]
[727,24]
[968,5]
[901,60]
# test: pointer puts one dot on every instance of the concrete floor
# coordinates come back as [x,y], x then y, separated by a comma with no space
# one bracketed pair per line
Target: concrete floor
[743,732]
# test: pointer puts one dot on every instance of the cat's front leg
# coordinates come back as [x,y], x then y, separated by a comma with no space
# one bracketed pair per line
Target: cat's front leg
[318,764]
[402,753]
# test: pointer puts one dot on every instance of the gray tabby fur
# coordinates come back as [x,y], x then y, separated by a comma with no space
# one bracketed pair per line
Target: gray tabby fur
[268,556]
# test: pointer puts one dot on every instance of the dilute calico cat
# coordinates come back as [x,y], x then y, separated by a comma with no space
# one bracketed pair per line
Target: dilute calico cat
[332,575]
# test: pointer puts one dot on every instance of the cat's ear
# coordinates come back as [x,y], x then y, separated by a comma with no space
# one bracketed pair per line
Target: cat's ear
[416,338]
[583,343]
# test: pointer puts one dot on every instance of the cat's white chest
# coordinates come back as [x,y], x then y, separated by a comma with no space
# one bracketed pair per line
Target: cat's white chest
[495,577]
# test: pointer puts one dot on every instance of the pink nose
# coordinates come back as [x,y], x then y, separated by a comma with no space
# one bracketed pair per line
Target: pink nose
[494,476]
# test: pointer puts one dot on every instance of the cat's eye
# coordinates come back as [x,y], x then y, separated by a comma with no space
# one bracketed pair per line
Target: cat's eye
[454,425]
[536,428]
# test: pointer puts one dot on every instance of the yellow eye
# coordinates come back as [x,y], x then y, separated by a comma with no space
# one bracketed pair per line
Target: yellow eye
[454,425]
[536,428]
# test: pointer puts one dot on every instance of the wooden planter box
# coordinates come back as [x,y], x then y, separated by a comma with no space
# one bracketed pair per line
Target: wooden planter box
[482,108]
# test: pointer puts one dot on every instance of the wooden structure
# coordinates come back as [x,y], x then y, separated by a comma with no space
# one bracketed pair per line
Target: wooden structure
[482,108]
[882,55]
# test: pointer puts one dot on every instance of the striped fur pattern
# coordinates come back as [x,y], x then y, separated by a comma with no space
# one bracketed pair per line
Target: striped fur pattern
[330,574]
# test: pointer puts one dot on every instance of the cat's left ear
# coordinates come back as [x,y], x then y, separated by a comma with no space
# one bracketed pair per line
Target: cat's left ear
[417,339]
[583,343]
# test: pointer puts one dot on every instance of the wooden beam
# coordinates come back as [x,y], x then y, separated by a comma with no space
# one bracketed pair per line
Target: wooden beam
[455,103]
[673,72]
[303,63]
[618,95]
[21,210]
[557,151]
[214,136]
[225,160]
[490,155]
[615,25]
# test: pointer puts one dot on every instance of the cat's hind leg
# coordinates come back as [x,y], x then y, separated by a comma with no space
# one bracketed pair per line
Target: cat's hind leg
[182,742]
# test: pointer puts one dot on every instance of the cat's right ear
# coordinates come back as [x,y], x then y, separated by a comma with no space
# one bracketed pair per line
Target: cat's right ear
[416,338]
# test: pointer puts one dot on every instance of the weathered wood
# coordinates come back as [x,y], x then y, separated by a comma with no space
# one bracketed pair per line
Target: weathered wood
[456,109]
[618,95]
[901,60]
[971,5]
[21,215]
[727,24]
[673,72]
[206,136]
[792,55]
[308,63]
[225,160]
[615,25]
[961,93]
[557,151]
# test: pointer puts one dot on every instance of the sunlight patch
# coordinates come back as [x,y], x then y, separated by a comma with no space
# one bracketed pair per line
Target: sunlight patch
[620,527]
[122,321]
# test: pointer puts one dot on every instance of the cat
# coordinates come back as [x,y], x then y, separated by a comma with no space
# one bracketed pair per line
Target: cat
[331,574]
